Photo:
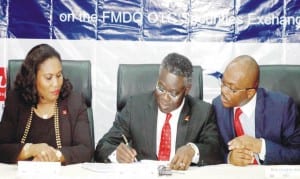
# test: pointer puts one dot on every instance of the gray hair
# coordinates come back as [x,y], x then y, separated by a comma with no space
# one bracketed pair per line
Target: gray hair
[178,65]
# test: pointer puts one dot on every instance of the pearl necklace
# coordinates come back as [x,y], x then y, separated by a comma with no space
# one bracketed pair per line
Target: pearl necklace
[56,127]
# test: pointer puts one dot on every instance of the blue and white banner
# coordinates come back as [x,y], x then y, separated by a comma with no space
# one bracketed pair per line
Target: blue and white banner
[111,32]
[152,20]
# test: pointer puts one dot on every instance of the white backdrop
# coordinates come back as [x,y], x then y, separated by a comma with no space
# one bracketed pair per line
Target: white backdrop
[105,57]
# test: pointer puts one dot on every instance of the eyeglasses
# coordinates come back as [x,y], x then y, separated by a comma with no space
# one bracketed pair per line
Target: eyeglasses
[223,85]
[173,95]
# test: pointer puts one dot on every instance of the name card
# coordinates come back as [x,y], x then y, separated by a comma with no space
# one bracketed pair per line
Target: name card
[38,168]
[283,171]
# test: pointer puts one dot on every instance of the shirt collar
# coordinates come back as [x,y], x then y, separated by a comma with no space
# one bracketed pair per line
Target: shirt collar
[177,110]
[249,107]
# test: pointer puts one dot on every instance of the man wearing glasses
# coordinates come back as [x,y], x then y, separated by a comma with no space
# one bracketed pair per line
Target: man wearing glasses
[257,126]
[166,124]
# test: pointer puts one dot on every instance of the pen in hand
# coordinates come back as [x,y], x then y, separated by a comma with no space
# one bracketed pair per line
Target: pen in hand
[126,143]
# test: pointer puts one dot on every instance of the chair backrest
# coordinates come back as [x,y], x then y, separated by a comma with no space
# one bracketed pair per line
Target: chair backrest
[140,78]
[77,71]
[283,78]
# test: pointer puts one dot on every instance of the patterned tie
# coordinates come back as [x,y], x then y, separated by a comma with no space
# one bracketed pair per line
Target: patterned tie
[165,140]
[238,126]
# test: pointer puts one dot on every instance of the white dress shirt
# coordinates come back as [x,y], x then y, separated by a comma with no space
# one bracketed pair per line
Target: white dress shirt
[247,119]
[161,117]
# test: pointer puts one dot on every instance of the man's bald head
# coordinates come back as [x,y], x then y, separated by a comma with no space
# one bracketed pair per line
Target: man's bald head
[247,68]
[240,81]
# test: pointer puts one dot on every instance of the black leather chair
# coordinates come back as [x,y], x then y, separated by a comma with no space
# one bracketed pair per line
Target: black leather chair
[140,78]
[77,71]
[283,78]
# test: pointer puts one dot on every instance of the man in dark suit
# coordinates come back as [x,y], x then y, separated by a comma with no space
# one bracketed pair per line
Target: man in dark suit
[193,136]
[259,126]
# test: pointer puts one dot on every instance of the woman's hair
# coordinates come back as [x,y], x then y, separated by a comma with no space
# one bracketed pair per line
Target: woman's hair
[25,83]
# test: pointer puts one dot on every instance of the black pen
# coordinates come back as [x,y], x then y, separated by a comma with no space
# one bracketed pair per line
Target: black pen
[126,143]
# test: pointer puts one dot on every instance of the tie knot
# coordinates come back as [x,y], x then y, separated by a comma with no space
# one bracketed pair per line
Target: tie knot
[238,112]
[168,117]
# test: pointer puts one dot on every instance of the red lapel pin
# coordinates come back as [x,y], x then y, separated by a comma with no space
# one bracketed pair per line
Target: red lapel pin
[64,112]
[187,118]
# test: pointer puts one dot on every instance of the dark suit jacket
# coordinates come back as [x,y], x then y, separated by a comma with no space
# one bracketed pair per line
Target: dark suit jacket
[138,122]
[74,129]
[276,120]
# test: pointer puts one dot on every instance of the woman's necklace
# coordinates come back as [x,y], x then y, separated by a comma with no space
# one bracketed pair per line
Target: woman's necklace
[56,126]
[45,115]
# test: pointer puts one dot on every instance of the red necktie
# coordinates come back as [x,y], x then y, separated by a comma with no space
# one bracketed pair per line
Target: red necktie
[238,126]
[165,140]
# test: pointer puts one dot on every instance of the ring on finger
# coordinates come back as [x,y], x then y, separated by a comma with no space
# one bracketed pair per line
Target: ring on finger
[181,164]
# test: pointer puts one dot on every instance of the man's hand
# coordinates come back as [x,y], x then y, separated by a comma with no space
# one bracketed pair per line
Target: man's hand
[240,157]
[125,154]
[245,142]
[183,158]
[243,149]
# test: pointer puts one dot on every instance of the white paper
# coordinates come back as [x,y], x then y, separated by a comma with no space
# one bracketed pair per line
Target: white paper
[142,167]
[32,168]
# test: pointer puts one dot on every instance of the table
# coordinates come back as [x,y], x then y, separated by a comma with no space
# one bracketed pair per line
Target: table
[222,171]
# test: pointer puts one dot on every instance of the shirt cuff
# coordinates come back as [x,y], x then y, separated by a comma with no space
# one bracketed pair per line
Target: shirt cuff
[196,156]
[262,152]
[113,157]
[228,157]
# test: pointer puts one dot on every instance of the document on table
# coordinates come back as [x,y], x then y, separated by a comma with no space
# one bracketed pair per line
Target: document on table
[34,169]
[141,167]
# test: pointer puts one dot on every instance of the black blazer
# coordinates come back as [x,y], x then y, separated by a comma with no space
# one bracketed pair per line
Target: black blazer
[138,122]
[74,129]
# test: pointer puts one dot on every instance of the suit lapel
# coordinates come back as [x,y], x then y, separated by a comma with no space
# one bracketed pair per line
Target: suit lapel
[229,113]
[259,113]
[183,123]
[225,122]
[150,119]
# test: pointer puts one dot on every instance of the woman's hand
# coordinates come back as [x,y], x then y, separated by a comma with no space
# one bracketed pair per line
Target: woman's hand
[44,152]
[40,152]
